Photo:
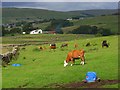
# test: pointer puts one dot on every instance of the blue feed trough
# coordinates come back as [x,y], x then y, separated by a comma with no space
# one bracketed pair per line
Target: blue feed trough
[16,65]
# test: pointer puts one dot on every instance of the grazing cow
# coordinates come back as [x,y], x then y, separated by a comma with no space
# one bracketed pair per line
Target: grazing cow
[64,45]
[53,46]
[40,47]
[75,54]
[104,43]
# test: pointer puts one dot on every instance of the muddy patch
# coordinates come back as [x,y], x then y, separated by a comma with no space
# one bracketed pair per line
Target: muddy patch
[86,85]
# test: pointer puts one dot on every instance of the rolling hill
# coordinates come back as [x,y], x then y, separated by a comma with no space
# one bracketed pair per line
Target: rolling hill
[10,15]
[108,21]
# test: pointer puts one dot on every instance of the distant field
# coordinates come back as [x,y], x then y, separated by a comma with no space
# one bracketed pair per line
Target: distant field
[42,25]
[110,22]
[44,69]
[40,39]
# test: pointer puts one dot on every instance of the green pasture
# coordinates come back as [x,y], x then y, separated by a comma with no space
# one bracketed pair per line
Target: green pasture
[40,69]
[42,25]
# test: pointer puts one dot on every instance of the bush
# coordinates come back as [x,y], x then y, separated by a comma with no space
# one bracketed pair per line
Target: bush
[85,29]
[98,34]
[105,32]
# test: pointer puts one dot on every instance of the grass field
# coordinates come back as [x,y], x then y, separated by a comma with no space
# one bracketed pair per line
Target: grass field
[41,69]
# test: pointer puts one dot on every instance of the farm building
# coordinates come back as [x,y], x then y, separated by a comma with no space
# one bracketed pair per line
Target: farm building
[36,31]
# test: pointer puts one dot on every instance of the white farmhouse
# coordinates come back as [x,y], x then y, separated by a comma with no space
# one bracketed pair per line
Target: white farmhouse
[36,31]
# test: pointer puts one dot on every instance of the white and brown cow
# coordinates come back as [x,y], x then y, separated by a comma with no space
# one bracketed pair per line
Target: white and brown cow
[75,54]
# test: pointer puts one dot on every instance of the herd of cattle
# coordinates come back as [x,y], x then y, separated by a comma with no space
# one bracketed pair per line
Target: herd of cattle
[71,56]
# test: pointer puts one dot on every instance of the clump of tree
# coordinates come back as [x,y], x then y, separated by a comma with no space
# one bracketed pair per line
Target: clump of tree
[57,24]
[15,31]
[4,32]
[27,27]
[87,29]
[11,31]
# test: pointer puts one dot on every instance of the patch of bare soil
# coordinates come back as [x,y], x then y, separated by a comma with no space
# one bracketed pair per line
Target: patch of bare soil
[86,85]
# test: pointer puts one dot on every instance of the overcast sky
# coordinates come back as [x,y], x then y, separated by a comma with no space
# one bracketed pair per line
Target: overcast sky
[63,6]
[60,0]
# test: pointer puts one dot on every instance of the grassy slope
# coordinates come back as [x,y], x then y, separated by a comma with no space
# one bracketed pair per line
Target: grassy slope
[42,25]
[109,21]
[48,66]
[9,15]
[96,12]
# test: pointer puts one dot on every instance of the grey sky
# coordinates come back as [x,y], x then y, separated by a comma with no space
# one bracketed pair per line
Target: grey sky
[63,6]
[60,0]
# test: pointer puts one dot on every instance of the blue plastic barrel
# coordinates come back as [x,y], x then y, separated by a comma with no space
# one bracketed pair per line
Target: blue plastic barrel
[91,76]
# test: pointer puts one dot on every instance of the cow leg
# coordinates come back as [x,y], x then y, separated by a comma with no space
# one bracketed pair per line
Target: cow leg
[82,60]
[73,61]
[65,63]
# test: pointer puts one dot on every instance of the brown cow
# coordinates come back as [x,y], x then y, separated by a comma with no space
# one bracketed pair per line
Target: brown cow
[64,45]
[53,46]
[75,54]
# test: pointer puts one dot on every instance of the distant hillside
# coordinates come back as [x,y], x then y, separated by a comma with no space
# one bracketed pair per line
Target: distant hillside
[108,21]
[10,15]
[95,12]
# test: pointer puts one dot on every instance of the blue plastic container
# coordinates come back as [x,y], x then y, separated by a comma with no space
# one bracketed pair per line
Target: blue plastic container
[91,77]
[16,65]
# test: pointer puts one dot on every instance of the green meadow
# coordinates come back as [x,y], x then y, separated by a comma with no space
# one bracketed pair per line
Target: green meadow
[43,68]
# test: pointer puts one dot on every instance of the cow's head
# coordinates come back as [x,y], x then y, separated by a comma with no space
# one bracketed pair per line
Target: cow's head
[65,63]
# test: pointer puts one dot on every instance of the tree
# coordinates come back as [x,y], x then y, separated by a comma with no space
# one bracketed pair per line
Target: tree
[15,30]
[104,31]
[27,27]
[4,32]
[83,29]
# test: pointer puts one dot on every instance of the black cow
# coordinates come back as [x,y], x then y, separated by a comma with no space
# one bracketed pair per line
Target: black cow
[105,44]
[88,44]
